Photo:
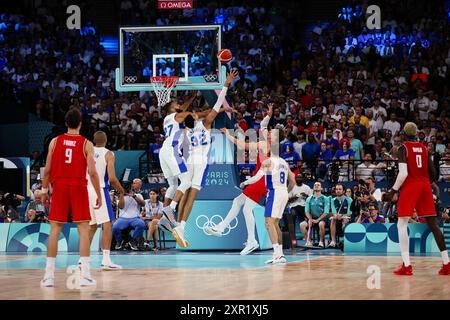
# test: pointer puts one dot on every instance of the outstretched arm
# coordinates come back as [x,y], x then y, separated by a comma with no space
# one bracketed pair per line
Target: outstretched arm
[238,142]
[265,166]
[216,109]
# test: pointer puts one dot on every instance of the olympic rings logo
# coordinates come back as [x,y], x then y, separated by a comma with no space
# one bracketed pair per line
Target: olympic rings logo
[210,77]
[130,79]
[203,222]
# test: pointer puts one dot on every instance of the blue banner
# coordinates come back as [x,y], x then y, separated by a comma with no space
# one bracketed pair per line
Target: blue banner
[383,238]
[33,237]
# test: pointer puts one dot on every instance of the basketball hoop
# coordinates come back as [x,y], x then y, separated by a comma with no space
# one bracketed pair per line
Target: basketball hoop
[163,86]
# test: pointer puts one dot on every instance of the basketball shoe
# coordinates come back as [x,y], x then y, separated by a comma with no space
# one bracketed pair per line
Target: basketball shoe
[404,271]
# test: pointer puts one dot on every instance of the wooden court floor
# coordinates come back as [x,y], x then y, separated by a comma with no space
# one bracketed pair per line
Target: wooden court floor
[325,277]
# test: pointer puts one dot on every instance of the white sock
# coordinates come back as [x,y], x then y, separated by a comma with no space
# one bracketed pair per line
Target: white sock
[85,269]
[402,226]
[444,255]
[173,205]
[106,258]
[249,205]
[50,266]
[280,250]
[275,249]
[182,224]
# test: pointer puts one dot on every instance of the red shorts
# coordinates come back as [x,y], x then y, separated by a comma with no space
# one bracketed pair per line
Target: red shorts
[416,195]
[256,190]
[69,199]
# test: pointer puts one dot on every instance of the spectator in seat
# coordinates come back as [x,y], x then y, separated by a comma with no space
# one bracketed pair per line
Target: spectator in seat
[325,158]
[356,145]
[310,153]
[366,169]
[374,192]
[34,217]
[331,143]
[151,216]
[292,158]
[345,157]
[130,208]
[370,216]
[36,205]
[341,212]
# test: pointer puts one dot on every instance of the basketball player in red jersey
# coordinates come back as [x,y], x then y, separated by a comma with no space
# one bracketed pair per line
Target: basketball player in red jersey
[70,156]
[415,173]
[252,195]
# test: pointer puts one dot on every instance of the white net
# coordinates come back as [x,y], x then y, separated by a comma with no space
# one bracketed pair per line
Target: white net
[163,86]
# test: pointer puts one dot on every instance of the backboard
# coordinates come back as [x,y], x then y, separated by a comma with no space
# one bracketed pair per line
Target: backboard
[189,52]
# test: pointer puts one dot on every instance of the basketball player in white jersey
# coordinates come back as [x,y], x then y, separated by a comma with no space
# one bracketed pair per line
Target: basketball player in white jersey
[199,139]
[248,199]
[172,162]
[104,164]
[277,174]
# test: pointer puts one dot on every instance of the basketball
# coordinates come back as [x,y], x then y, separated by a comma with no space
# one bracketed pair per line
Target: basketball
[225,56]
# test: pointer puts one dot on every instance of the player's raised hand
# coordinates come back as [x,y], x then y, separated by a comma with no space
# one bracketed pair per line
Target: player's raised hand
[230,77]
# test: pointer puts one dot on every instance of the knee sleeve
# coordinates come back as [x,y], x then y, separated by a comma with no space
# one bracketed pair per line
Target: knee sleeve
[173,185]
[185,182]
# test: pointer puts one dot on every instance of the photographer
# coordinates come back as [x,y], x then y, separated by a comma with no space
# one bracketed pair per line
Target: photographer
[36,217]
[130,205]
[361,203]
[371,215]
[389,209]
[39,208]
[9,203]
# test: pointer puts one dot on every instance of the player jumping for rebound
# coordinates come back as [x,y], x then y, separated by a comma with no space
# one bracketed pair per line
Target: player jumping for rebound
[252,195]
[277,173]
[172,162]
[416,170]
[104,163]
[69,156]
[199,139]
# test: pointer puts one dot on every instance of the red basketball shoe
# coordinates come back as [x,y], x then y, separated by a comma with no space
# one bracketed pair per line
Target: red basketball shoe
[404,271]
[445,270]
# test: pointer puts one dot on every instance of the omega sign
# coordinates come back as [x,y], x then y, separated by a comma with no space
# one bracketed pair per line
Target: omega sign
[171,4]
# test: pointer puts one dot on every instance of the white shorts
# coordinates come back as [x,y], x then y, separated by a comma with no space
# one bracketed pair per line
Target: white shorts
[103,214]
[277,200]
[197,174]
[172,163]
